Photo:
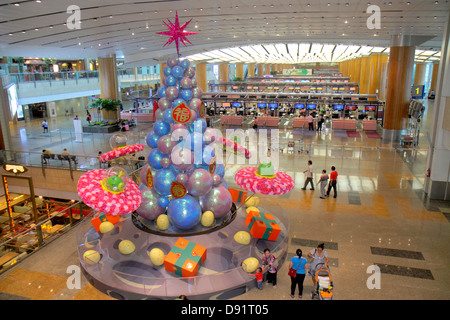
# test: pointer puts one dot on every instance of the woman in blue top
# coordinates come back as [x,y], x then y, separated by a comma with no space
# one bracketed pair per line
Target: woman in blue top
[301,265]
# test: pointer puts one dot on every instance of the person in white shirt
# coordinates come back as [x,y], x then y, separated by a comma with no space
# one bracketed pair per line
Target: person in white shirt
[309,176]
[310,123]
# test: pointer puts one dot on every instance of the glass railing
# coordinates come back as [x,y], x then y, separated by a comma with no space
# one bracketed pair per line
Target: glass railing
[34,77]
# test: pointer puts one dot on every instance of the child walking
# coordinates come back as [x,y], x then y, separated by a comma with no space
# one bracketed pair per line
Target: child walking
[323,183]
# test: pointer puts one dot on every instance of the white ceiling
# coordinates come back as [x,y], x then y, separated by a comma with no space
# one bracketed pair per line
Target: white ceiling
[129,28]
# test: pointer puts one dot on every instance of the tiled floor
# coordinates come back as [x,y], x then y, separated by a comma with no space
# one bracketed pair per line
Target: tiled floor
[379,218]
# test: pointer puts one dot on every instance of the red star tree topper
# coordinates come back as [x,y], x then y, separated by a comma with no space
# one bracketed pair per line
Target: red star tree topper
[177,33]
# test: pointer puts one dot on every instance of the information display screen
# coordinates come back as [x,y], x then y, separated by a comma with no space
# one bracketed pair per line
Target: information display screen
[350,107]
[273,105]
[338,107]
[311,106]
[370,108]
[226,104]
[299,106]
[262,105]
[237,104]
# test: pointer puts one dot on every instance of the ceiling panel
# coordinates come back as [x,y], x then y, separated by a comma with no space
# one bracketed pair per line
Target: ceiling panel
[128,28]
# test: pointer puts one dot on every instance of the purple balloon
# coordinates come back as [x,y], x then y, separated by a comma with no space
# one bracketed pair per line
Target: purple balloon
[182,159]
[182,178]
[165,162]
[216,179]
[200,182]
[186,83]
[210,135]
[172,93]
[196,92]
[159,114]
[194,82]
[149,208]
[164,104]
[218,200]
[195,104]
[143,174]
[165,144]
[172,62]
[190,72]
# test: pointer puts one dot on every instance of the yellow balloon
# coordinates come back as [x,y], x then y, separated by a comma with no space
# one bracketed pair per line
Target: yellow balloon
[252,209]
[207,219]
[126,247]
[242,237]
[157,256]
[106,227]
[91,257]
[162,222]
[252,202]
[250,264]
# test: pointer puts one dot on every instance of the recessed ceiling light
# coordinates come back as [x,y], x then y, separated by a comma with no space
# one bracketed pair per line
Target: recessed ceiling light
[38,1]
[10,34]
[17,4]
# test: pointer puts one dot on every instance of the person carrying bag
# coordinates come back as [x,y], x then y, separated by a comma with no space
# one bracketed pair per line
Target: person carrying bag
[297,271]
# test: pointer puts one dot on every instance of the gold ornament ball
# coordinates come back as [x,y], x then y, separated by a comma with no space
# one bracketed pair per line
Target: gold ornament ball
[157,256]
[250,264]
[106,227]
[162,222]
[207,219]
[242,237]
[91,257]
[126,247]
[252,209]
[252,202]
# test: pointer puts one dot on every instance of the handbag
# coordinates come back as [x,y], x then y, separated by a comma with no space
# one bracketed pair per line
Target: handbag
[293,272]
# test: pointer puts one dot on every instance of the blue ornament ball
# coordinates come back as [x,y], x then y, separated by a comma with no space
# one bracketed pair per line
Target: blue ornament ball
[186,94]
[161,128]
[185,63]
[167,116]
[177,102]
[162,181]
[152,139]
[163,202]
[220,170]
[167,71]
[178,72]
[184,213]
[162,91]
[170,81]
[154,158]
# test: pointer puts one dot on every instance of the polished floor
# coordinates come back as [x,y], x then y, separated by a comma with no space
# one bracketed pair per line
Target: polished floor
[380,217]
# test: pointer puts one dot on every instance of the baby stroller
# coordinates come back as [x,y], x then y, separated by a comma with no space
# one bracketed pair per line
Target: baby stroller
[324,284]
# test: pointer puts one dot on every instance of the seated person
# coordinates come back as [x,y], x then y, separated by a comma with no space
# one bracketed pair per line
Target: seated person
[46,155]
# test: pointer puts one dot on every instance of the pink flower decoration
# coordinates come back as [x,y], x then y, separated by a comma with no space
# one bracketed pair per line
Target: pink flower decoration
[248,180]
[121,152]
[90,190]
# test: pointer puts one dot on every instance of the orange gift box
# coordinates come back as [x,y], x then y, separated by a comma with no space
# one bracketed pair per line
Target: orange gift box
[97,220]
[262,225]
[185,258]
[237,195]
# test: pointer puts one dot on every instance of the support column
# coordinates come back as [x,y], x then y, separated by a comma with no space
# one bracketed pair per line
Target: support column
[239,70]
[419,75]
[251,69]
[109,84]
[261,69]
[438,161]
[200,73]
[268,67]
[398,91]
[374,73]
[161,72]
[364,75]
[434,77]
[223,75]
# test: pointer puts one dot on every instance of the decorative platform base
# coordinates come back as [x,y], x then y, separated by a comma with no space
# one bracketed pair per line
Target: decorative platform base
[133,276]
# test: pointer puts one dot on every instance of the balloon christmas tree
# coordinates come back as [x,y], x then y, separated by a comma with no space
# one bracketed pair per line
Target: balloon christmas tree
[182,178]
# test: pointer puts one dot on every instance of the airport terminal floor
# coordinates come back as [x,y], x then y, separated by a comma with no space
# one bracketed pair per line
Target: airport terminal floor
[380,217]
